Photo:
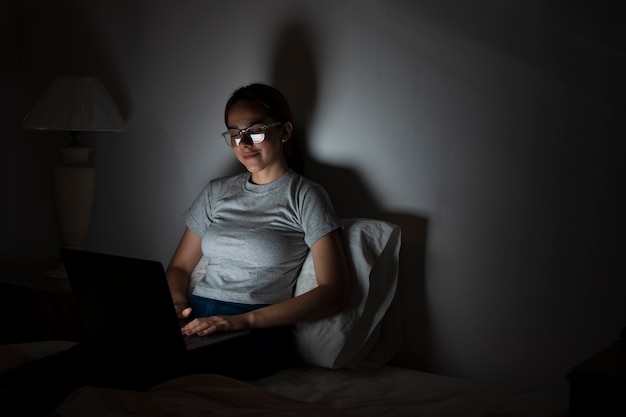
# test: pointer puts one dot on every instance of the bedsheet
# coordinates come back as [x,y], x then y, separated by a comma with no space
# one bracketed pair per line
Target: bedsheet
[190,396]
[399,392]
[304,392]
[317,392]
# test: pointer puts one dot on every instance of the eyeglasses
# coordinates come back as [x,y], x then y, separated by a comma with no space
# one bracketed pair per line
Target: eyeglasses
[256,133]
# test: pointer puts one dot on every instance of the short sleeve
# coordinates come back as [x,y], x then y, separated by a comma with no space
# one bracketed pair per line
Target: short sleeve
[197,217]
[318,217]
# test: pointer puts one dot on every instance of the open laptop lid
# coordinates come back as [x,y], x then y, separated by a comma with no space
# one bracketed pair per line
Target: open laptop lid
[122,302]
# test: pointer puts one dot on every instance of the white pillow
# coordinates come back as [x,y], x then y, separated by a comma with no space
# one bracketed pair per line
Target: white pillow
[351,337]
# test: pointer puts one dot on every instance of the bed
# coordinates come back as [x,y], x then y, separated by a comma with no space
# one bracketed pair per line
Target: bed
[346,363]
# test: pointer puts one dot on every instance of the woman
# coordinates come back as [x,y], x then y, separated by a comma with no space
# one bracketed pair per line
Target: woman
[255,230]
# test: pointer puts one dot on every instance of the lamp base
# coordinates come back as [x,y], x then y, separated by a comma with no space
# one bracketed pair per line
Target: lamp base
[74,186]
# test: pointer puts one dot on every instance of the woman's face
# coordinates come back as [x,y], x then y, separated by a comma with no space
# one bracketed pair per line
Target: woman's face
[264,160]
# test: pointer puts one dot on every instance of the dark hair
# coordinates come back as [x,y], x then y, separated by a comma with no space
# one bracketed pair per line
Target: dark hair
[272,100]
[277,108]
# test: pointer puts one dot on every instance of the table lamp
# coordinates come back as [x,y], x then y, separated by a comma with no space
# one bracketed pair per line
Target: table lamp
[74,105]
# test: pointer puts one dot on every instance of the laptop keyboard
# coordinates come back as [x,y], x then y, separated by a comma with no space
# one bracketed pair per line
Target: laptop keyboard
[193,338]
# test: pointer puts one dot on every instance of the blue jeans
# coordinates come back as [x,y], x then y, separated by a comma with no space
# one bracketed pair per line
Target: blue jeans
[205,307]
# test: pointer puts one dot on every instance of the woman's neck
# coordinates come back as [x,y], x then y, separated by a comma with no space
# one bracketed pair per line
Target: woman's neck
[269,174]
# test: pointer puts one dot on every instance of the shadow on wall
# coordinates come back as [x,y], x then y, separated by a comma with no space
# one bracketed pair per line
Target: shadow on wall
[294,74]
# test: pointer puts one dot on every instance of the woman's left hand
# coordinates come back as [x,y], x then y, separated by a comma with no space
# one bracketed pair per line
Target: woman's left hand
[207,325]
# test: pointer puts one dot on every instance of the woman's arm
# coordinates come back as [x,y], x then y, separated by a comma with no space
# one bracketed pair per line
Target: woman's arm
[331,295]
[185,259]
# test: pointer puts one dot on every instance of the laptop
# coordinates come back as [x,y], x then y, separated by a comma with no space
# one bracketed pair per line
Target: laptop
[123,301]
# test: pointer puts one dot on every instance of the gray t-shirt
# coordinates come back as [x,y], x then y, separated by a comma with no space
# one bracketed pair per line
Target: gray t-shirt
[256,237]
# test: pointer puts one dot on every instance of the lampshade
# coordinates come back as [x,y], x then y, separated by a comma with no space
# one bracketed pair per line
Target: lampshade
[75,104]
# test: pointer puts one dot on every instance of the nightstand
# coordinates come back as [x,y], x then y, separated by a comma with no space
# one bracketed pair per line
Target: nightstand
[35,307]
[598,385]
